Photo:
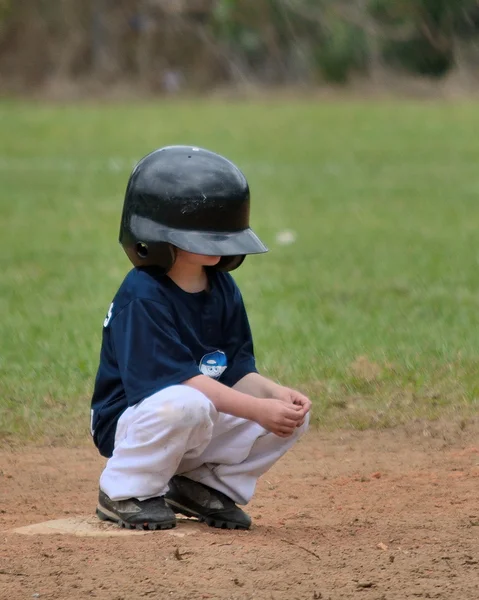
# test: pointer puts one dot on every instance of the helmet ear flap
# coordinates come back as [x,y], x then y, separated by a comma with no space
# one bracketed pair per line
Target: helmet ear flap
[158,254]
[229,263]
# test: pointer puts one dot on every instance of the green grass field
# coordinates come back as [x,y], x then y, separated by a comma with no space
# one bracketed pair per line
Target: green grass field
[384,202]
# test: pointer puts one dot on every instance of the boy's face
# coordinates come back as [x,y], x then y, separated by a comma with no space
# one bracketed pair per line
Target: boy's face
[196,259]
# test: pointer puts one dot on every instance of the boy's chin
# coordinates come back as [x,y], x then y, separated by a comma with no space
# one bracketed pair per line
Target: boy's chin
[211,261]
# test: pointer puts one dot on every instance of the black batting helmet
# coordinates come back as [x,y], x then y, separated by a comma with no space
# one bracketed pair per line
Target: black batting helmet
[189,198]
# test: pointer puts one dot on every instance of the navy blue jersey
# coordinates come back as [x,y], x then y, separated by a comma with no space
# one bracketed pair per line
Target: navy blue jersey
[156,335]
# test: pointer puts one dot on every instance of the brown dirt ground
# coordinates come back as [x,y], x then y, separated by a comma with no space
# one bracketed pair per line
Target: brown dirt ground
[370,515]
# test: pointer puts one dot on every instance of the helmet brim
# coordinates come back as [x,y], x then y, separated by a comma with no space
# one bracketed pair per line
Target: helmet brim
[218,244]
[209,243]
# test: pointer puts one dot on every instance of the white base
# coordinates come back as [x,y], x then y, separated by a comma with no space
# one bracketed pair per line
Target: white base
[93,527]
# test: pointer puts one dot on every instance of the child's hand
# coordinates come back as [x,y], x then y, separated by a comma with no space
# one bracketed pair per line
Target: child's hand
[294,397]
[277,416]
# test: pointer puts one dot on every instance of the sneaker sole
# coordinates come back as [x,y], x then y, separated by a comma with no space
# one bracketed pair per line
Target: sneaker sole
[211,521]
[105,515]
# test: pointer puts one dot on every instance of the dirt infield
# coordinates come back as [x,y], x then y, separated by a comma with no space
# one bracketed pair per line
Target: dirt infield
[366,515]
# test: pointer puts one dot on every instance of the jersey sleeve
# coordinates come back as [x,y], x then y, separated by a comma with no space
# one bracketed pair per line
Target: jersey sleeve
[148,349]
[239,343]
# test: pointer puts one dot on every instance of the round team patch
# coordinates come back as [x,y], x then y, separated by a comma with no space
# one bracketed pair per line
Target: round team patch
[213,364]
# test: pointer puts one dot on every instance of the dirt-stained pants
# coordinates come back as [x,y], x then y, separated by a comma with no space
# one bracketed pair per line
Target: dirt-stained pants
[179,431]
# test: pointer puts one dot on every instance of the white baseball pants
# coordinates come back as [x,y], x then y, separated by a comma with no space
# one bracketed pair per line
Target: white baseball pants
[179,431]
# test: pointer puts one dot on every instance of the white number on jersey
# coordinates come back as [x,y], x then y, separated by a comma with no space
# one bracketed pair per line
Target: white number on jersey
[108,316]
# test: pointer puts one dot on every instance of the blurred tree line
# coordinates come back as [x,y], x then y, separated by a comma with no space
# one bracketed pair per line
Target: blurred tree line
[170,44]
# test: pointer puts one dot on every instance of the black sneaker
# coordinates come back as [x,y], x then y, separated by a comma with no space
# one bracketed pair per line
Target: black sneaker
[135,514]
[194,499]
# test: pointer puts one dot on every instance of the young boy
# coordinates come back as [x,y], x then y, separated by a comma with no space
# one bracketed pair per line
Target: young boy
[179,409]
